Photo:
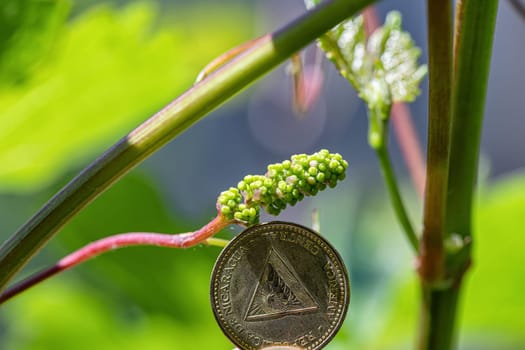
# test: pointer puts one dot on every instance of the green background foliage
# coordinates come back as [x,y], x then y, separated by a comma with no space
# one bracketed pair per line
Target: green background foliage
[138,298]
[107,71]
[71,86]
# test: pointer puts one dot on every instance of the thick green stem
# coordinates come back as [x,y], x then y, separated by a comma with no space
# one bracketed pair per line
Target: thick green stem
[393,190]
[165,125]
[475,22]
[437,319]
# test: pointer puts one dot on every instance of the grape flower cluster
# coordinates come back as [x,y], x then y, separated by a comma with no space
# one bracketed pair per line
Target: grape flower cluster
[284,183]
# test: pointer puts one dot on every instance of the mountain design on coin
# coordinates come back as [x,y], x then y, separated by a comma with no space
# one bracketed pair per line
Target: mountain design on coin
[279,292]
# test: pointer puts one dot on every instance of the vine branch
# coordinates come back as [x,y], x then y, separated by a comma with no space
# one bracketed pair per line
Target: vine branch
[104,245]
[474,37]
[439,118]
[409,144]
[395,196]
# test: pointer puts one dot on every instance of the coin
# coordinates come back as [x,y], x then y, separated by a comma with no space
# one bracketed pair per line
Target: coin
[279,285]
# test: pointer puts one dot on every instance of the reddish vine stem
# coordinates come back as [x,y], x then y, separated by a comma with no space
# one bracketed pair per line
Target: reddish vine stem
[402,120]
[432,259]
[410,146]
[307,82]
[226,57]
[91,250]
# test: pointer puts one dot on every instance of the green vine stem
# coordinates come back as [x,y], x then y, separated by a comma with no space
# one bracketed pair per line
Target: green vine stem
[378,140]
[473,46]
[267,53]
[216,242]
[395,194]
[438,312]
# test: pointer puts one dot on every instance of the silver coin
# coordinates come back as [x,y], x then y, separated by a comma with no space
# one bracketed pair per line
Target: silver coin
[279,285]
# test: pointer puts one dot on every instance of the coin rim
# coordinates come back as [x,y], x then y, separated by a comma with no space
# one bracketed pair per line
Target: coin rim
[344,273]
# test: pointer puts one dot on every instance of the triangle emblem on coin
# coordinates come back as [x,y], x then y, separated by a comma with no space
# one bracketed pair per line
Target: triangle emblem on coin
[279,292]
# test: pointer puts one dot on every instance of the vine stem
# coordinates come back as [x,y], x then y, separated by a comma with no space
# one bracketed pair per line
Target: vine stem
[411,149]
[268,52]
[226,57]
[394,193]
[473,45]
[106,244]
[404,130]
[371,22]
[307,82]
[439,301]
[431,262]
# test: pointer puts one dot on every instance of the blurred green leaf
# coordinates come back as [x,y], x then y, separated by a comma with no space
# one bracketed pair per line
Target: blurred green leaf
[65,315]
[493,300]
[28,29]
[135,298]
[109,71]
[492,304]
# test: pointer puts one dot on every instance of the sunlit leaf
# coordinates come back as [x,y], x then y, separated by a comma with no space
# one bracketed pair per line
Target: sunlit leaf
[109,71]
[493,301]
[28,29]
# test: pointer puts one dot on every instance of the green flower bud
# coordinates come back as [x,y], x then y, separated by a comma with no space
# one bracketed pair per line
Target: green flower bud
[310,180]
[333,164]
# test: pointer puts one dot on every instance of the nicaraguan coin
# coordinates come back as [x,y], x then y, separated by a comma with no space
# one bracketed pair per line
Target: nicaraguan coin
[279,285]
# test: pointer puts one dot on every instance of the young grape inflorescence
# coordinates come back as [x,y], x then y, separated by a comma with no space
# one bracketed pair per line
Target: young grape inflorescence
[284,183]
